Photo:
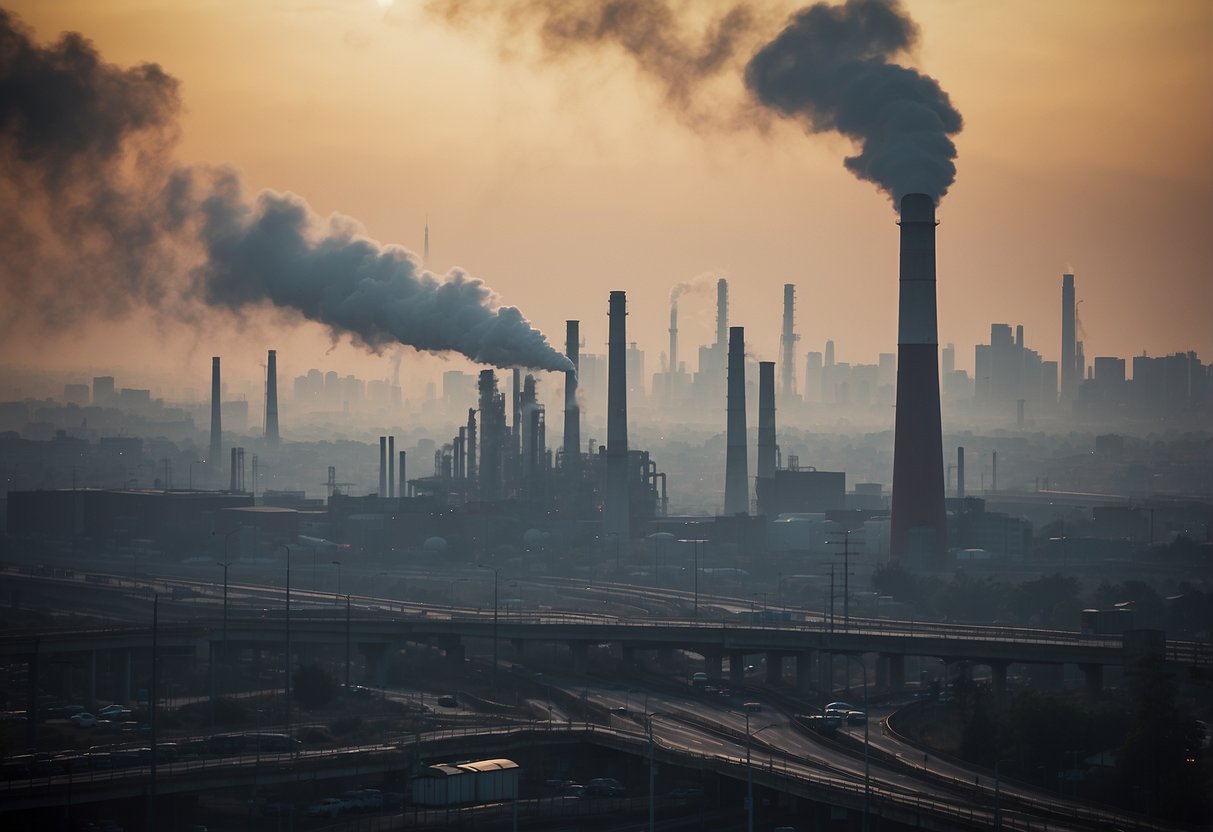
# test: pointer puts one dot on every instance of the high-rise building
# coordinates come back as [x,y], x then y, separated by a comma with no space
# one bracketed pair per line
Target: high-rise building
[1069,354]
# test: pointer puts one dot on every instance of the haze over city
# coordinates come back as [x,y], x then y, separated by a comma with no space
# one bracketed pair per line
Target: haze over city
[548,414]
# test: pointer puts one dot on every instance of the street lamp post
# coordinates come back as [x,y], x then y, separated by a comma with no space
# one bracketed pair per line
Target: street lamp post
[867,778]
[695,543]
[749,770]
[287,687]
[653,770]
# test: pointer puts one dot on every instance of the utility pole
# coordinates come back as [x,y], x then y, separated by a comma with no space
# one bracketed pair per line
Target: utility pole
[846,576]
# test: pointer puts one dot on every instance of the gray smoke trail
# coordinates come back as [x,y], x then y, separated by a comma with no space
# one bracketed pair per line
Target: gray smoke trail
[95,220]
[695,286]
[653,33]
[830,65]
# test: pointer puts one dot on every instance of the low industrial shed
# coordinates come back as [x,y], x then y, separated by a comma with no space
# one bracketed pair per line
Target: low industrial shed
[483,781]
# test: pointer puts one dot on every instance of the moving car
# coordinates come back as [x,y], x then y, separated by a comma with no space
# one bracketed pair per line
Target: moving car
[84,720]
[330,807]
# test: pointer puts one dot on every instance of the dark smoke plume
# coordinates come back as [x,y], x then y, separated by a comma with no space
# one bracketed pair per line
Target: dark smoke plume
[653,33]
[830,66]
[95,220]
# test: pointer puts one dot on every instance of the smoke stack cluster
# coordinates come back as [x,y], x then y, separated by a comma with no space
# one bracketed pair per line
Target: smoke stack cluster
[616,517]
[919,528]
[736,470]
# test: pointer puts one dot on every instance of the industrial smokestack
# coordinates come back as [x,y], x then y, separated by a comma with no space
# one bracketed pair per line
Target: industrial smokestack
[492,432]
[403,489]
[960,472]
[722,311]
[616,518]
[383,463]
[766,420]
[919,529]
[736,466]
[232,489]
[572,413]
[669,379]
[1069,353]
[787,342]
[391,469]
[271,399]
[214,463]
[470,451]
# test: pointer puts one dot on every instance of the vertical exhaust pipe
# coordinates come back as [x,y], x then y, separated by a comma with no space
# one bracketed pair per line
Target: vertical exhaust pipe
[214,463]
[919,530]
[722,312]
[673,369]
[391,469]
[469,452]
[787,341]
[766,420]
[572,412]
[383,466]
[960,472]
[403,490]
[736,465]
[616,517]
[271,399]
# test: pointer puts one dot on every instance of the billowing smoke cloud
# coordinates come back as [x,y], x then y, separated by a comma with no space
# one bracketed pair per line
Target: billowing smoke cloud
[829,66]
[679,53]
[95,219]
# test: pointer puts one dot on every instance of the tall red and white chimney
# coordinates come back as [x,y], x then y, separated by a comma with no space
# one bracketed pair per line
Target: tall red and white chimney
[919,524]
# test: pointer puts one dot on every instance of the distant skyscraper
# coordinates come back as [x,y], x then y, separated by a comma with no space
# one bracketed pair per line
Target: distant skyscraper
[103,390]
[425,254]
[949,359]
[1069,364]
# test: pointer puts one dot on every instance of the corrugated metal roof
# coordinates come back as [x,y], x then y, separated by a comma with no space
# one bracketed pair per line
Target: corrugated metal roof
[489,765]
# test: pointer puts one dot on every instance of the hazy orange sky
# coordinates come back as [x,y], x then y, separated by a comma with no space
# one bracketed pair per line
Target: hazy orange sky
[1088,146]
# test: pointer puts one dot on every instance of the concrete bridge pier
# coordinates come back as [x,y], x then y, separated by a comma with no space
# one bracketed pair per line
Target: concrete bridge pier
[774,667]
[736,666]
[1092,677]
[31,705]
[581,657]
[825,674]
[891,672]
[713,664]
[998,682]
[806,662]
[628,653]
[519,647]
